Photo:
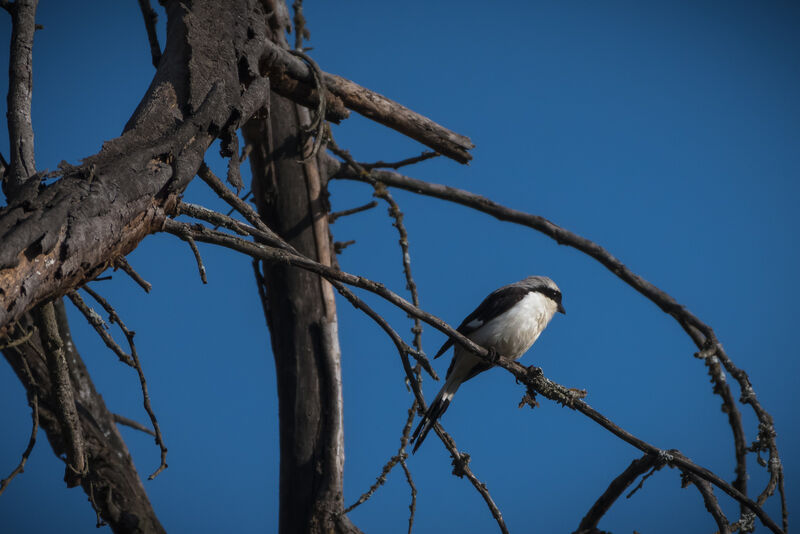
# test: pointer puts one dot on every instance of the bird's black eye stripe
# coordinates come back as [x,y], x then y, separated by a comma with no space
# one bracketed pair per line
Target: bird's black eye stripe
[551,293]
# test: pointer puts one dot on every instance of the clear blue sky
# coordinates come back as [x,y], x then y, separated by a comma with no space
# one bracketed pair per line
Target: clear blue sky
[669,133]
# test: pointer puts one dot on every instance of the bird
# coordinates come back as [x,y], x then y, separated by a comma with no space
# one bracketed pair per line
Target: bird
[506,323]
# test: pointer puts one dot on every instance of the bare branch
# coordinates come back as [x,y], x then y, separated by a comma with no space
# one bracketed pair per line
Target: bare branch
[150,20]
[286,70]
[122,263]
[300,30]
[532,377]
[332,217]
[399,458]
[65,404]
[707,491]
[219,219]
[200,267]
[136,425]
[402,163]
[318,125]
[114,318]
[20,95]
[239,205]
[380,191]
[615,489]
[94,319]
[33,401]
[18,341]
[413,506]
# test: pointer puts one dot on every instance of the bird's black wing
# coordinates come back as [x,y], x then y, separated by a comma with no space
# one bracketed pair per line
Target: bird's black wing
[498,302]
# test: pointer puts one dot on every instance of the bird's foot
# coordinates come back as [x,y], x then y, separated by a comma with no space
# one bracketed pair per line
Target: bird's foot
[529,399]
[493,356]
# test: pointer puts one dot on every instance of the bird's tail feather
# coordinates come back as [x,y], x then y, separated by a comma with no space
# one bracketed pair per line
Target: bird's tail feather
[435,410]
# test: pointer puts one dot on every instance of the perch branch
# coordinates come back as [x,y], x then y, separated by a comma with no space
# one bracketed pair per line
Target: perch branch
[532,378]
[702,335]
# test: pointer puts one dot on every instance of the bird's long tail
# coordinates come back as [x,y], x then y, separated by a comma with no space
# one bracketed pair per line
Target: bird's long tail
[435,410]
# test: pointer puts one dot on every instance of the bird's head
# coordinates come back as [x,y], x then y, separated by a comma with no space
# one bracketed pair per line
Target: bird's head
[546,287]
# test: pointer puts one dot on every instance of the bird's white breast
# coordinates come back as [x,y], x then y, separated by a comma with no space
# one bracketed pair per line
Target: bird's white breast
[512,333]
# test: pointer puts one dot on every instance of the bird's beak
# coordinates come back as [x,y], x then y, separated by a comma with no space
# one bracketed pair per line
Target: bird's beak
[561,308]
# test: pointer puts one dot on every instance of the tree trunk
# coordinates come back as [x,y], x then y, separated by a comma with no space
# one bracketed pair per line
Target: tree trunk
[301,314]
[112,480]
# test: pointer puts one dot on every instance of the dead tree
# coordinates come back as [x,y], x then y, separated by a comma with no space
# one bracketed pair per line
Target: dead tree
[225,68]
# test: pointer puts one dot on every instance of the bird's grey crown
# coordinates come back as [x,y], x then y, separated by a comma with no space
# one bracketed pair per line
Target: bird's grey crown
[537,283]
[540,284]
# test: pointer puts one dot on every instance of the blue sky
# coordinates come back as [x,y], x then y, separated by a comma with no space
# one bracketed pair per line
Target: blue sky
[667,132]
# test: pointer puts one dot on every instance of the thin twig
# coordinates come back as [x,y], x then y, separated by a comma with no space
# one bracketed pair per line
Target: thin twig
[150,20]
[213,217]
[426,155]
[247,195]
[400,457]
[122,263]
[332,217]
[317,126]
[300,30]
[239,205]
[380,481]
[200,267]
[94,319]
[66,411]
[33,402]
[381,192]
[413,506]
[640,485]
[136,425]
[712,505]
[19,341]
[615,489]
[129,334]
